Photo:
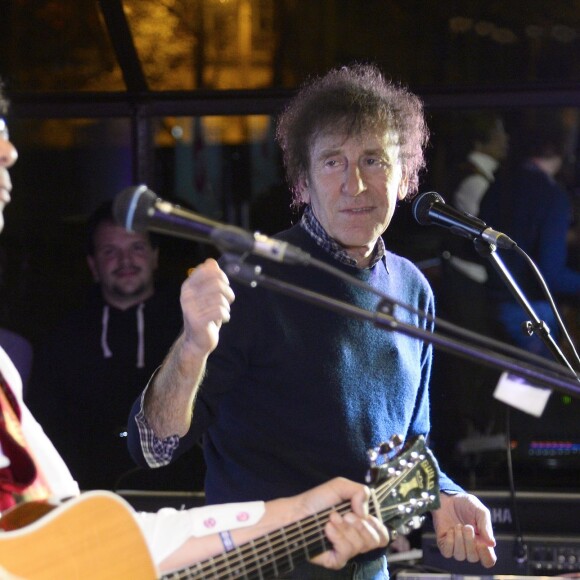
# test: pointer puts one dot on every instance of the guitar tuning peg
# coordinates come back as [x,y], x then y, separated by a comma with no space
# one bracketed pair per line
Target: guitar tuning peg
[415,522]
[373,455]
[373,475]
[384,449]
[410,525]
[397,440]
[393,443]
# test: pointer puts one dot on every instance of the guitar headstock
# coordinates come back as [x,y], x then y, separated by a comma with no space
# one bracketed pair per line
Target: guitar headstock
[405,482]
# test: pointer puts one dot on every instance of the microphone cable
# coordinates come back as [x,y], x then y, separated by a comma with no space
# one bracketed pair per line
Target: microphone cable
[550,299]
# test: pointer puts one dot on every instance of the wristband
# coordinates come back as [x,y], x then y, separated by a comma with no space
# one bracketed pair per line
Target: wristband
[227,541]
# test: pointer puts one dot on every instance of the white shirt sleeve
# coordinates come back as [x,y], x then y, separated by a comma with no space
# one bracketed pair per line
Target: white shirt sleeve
[167,529]
[470,193]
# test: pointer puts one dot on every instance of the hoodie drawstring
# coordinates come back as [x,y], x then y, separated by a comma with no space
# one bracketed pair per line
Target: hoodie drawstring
[104,331]
[140,335]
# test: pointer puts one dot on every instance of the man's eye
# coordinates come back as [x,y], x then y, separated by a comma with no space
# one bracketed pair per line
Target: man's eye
[376,162]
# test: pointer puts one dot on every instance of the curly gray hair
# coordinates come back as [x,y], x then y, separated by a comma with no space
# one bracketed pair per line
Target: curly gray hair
[351,101]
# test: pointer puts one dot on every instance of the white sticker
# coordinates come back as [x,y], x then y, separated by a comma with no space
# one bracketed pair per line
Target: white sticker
[521,394]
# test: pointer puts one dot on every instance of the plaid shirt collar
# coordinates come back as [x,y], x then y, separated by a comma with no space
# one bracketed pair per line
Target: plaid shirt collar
[318,233]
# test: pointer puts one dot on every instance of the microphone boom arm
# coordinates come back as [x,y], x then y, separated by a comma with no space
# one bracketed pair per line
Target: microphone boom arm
[251,274]
[535,324]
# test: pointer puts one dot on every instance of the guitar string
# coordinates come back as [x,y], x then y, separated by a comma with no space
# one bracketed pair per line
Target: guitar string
[254,550]
[253,556]
[382,491]
[258,549]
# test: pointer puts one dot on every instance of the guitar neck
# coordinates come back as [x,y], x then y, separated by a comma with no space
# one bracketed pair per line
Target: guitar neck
[408,488]
[270,555]
[96,535]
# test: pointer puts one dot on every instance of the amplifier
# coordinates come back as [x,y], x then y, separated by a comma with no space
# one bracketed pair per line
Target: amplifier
[550,526]
[544,513]
[544,556]
[551,441]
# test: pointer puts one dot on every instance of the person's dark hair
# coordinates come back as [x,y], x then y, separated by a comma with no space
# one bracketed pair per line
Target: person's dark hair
[351,100]
[545,138]
[104,214]
[479,126]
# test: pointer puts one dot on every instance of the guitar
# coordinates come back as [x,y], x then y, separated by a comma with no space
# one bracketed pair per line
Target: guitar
[404,488]
[95,537]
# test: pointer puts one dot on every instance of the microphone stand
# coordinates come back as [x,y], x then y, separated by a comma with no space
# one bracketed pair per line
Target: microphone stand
[560,378]
[251,275]
[535,324]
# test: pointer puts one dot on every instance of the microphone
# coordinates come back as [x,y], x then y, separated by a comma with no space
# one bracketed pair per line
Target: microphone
[138,209]
[430,208]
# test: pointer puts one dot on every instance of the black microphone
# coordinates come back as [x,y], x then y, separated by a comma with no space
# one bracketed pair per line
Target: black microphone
[138,209]
[430,208]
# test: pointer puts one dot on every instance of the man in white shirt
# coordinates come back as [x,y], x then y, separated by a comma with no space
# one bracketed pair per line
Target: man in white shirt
[462,298]
[490,146]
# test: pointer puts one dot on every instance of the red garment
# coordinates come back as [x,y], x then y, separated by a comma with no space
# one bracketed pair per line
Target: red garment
[21,480]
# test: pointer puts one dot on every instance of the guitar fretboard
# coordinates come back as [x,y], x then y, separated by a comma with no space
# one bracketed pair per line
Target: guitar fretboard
[269,556]
[409,490]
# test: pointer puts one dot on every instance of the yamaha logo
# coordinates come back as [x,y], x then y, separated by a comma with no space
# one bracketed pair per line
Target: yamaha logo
[501,515]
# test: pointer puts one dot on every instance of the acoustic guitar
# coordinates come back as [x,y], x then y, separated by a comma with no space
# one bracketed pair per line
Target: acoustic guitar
[95,537]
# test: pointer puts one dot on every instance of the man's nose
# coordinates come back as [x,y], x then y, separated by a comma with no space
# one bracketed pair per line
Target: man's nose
[353,181]
[8,153]
[124,255]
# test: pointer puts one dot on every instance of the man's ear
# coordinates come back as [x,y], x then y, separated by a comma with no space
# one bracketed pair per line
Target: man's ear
[303,190]
[93,268]
[403,185]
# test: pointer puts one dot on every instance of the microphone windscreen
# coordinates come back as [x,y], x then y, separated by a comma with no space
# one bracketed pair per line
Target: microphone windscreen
[422,204]
[131,207]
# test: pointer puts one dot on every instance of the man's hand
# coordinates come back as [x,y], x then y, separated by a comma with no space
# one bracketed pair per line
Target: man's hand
[463,528]
[353,533]
[350,534]
[205,301]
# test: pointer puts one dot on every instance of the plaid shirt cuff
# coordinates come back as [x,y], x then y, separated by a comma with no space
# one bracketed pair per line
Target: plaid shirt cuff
[157,452]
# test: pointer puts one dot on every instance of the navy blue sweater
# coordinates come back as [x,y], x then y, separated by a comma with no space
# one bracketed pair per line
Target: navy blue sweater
[295,394]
